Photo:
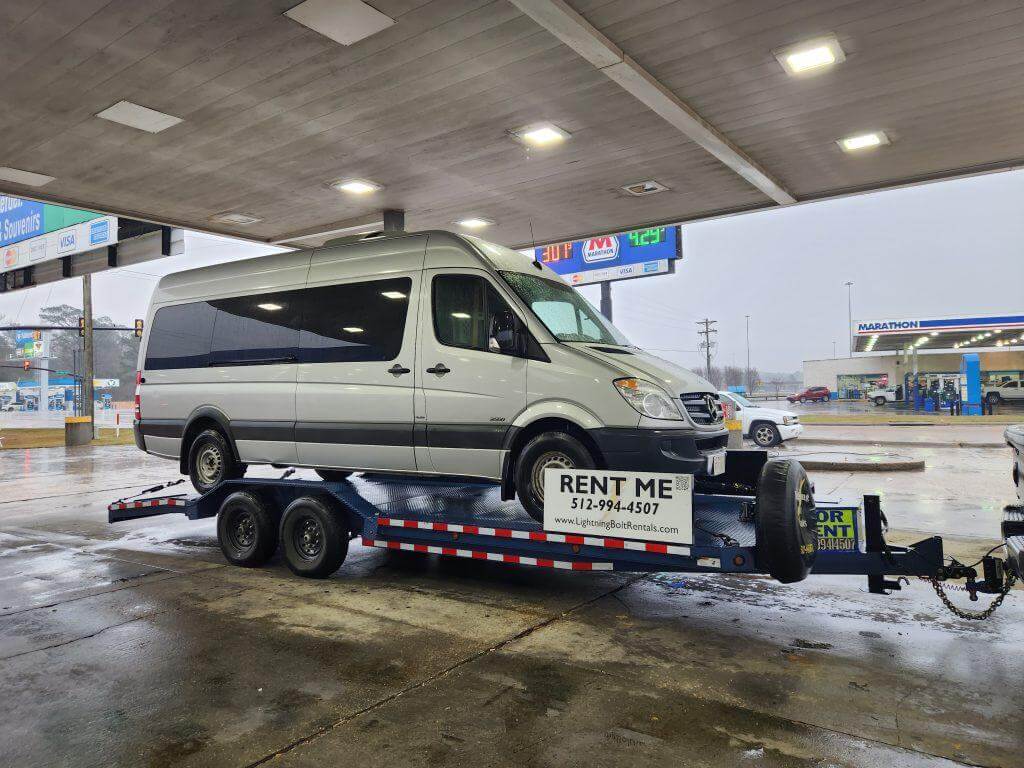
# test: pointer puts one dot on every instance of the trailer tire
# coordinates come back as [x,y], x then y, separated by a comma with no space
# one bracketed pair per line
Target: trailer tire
[246,530]
[786,521]
[314,536]
[548,449]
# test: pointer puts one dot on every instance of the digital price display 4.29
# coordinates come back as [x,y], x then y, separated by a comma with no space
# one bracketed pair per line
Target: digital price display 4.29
[614,257]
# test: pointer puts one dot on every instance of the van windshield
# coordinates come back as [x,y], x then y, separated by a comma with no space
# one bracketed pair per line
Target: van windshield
[563,311]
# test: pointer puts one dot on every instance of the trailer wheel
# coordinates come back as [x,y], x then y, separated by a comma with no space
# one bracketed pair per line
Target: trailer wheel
[786,521]
[548,450]
[315,538]
[246,530]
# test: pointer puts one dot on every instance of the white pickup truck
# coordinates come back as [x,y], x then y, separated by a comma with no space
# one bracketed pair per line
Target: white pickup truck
[765,426]
[881,396]
[1008,390]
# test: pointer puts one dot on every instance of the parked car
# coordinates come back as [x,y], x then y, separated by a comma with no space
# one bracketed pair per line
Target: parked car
[1008,390]
[408,353]
[882,395]
[765,426]
[6,404]
[811,394]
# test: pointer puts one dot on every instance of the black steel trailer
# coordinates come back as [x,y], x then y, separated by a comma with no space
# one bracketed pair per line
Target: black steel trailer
[314,521]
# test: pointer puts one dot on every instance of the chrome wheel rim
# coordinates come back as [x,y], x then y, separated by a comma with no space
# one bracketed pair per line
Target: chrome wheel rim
[308,538]
[549,460]
[209,465]
[763,435]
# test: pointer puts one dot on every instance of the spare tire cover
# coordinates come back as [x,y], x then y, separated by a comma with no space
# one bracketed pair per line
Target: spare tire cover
[786,521]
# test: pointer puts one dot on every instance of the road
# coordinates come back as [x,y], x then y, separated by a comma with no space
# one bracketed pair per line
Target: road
[135,644]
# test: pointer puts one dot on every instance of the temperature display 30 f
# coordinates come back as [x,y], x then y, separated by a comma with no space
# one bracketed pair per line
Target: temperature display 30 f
[551,254]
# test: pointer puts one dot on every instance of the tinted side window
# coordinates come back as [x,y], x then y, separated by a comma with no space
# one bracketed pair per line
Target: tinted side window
[180,337]
[463,306]
[256,329]
[354,322]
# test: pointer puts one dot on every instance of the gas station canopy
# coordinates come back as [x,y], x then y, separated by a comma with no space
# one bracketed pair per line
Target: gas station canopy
[540,119]
[939,333]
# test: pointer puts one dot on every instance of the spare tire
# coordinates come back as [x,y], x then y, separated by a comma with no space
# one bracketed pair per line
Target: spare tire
[786,521]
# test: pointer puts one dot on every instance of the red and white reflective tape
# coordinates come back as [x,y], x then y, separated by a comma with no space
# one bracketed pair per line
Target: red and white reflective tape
[559,538]
[540,562]
[145,503]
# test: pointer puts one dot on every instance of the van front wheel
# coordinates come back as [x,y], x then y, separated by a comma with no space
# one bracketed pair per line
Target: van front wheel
[210,461]
[548,450]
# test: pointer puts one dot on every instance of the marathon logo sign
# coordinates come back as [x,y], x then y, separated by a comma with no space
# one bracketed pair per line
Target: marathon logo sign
[888,326]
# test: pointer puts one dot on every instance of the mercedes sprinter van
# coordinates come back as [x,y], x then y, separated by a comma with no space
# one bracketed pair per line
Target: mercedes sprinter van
[425,353]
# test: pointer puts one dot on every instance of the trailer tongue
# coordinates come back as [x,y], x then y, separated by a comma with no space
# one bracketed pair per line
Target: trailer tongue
[759,518]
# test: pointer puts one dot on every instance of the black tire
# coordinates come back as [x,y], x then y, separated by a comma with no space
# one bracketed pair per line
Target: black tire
[314,537]
[546,450]
[332,475]
[786,521]
[803,400]
[879,400]
[246,530]
[993,398]
[765,434]
[211,460]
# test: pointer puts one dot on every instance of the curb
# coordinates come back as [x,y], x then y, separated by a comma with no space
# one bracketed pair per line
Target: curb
[899,443]
[914,465]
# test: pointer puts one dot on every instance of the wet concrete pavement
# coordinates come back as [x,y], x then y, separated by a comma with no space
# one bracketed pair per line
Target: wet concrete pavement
[135,644]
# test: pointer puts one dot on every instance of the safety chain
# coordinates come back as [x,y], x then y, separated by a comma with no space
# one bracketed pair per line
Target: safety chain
[973,615]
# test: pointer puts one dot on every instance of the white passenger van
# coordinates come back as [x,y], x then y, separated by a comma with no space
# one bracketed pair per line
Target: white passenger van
[420,353]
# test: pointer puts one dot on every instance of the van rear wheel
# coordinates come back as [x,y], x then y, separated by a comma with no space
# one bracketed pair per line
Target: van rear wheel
[210,461]
[548,450]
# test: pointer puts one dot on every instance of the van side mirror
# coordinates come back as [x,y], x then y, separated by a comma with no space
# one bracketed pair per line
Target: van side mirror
[505,335]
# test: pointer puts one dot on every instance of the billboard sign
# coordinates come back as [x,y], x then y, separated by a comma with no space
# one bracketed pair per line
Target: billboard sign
[638,253]
[29,345]
[32,232]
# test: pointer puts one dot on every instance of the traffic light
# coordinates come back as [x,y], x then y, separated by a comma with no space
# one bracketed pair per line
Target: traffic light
[27,365]
[138,329]
[81,327]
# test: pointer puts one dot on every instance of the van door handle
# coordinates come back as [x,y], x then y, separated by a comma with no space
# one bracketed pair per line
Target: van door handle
[397,370]
[439,370]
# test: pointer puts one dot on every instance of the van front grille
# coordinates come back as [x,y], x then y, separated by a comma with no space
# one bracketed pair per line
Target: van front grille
[702,407]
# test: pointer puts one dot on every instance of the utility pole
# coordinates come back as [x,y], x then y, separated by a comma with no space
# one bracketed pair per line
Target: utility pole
[87,351]
[706,344]
[606,300]
[746,377]
[849,314]
[833,350]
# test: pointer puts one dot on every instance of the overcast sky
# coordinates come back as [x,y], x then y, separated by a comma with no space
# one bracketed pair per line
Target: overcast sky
[937,249]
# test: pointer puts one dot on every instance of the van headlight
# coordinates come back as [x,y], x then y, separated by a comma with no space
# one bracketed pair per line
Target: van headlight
[647,399]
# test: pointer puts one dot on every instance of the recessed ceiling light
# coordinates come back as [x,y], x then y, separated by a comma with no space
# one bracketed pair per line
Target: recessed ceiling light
[541,135]
[137,116]
[460,315]
[241,219]
[474,222]
[28,178]
[270,307]
[811,56]
[862,141]
[644,188]
[343,21]
[352,329]
[357,186]
[392,294]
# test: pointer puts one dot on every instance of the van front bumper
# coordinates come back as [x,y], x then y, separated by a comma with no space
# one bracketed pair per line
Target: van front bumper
[658,450]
